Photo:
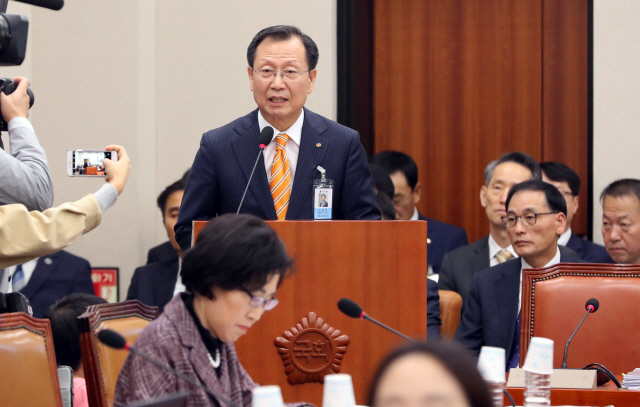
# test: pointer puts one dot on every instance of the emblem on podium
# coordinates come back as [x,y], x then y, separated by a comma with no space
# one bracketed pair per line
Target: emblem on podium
[311,350]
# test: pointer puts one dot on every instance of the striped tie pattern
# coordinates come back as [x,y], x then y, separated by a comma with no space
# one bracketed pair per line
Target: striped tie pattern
[280,181]
[503,256]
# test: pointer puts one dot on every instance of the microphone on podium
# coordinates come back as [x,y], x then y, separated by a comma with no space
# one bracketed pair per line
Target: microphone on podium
[591,306]
[353,310]
[265,138]
[116,341]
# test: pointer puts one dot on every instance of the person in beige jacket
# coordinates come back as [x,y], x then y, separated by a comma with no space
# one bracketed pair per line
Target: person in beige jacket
[26,235]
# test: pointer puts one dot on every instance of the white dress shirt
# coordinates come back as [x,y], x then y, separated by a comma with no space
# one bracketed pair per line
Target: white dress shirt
[179,286]
[524,265]
[292,147]
[494,249]
[564,238]
[27,269]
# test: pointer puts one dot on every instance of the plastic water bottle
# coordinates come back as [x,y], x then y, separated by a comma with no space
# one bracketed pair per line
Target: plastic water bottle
[538,390]
[497,393]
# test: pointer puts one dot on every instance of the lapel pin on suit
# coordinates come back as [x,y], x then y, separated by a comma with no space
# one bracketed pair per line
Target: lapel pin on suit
[318,145]
[48,261]
[428,241]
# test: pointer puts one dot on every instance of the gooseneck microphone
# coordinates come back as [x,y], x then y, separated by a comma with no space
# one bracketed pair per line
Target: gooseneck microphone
[265,138]
[353,310]
[114,340]
[592,305]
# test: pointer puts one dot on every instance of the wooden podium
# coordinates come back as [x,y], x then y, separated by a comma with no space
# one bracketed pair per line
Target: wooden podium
[381,265]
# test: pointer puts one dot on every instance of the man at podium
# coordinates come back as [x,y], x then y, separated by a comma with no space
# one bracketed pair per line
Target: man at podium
[282,72]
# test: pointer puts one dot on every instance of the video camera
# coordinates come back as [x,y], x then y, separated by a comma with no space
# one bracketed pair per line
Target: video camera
[14,30]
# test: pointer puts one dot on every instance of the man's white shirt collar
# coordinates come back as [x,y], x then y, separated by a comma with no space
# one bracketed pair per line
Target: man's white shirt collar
[415,215]
[494,248]
[294,132]
[564,238]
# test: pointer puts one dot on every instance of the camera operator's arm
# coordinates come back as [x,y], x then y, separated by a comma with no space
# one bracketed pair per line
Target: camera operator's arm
[26,235]
[24,174]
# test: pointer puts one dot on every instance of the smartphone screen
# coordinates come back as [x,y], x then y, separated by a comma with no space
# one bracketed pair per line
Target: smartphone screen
[88,162]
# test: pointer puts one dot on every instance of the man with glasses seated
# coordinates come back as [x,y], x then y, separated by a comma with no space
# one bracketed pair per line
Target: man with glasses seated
[282,72]
[536,216]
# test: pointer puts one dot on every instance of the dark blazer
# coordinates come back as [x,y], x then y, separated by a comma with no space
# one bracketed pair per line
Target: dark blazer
[588,251]
[444,238]
[162,252]
[227,155]
[55,276]
[154,283]
[433,310]
[489,316]
[460,265]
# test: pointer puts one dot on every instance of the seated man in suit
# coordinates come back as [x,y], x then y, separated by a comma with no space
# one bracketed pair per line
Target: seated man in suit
[156,283]
[384,191]
[460,265]
[568,183]
[536,216]
[47,279]
[621,220]
[404,174]
[282,72]
[165,251]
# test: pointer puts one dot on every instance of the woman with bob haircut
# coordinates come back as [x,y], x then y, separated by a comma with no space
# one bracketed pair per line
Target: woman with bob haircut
[429,374]
[231,276]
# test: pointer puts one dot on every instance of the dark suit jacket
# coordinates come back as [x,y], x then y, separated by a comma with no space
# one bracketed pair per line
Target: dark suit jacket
[588,251]
[162,252]
[227,155]
[154,283]
[433,310]
[489,316]
[444,237]
[460,265]
[65,274]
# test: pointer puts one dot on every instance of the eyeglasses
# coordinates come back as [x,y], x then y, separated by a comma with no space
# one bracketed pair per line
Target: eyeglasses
[257,301]
[527,220]
[290,74]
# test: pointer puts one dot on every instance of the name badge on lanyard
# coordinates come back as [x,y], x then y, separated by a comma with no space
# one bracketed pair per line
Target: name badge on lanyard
[322,196]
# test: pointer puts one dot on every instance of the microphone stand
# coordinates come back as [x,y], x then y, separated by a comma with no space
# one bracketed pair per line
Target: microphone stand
[566,347]
[262,147]
[368,318]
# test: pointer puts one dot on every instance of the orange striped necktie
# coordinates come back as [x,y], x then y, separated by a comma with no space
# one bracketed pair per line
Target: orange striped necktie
[280,182]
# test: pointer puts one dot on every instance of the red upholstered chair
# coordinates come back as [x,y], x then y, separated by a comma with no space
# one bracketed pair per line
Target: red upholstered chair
[28,373]
[102,364]
[450,309]
[553,303]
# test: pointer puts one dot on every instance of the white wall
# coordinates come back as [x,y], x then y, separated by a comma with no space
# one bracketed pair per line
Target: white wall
[616,123]
[151,76]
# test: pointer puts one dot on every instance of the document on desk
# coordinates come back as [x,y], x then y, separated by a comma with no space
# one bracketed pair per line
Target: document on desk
[631,380]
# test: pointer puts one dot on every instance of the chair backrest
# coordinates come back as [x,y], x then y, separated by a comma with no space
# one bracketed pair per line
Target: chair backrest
[553,303]
[29,375]
[450,309]
[102,364]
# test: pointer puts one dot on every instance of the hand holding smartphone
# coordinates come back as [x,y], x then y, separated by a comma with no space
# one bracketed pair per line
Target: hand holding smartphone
[88,163]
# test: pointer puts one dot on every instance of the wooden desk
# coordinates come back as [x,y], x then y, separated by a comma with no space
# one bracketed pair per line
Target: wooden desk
[602,396]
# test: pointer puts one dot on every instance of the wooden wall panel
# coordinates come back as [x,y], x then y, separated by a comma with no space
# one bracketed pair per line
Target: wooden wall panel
[565,92]
[458,83]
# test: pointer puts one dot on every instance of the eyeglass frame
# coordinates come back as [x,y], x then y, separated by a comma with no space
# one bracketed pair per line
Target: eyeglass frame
[257,301]
[504,219]
[284,77]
